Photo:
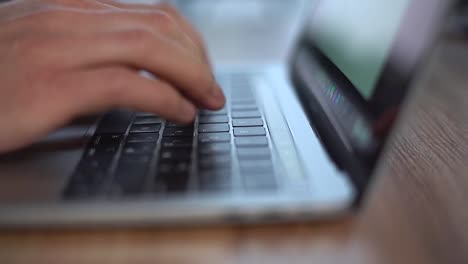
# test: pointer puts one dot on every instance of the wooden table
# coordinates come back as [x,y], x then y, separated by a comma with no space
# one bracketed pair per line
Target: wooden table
[416,211]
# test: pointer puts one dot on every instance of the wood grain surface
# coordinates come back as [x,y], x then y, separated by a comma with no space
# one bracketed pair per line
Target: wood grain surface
[416,211]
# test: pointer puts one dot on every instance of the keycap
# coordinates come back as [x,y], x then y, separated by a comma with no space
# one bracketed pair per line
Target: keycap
[214,162]
[146,128]
[213,119]
[178,132]
[95,163]
[214,148]
[130,175]
[176,183]
[235,101]
[245,114]
[218,112]
[250,166]
[209,128]
[171,124]
[254,153]
[256,141]
[177,167]
[175,154]
[105,144]
[172,177]
[259,181]
[114,122]
[244,107]
[142,137]
[214,137]
[106,139]
[82,188]
[215,180]
[242,95]
[85,183]
[173,142]
[247,122]
[143,120]
[249,131]
[139,148]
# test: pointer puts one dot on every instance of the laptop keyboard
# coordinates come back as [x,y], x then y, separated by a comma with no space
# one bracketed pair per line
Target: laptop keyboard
[134,153]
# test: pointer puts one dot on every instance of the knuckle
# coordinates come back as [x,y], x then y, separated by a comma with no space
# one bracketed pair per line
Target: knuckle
[163,20]
[168,8]
[47,16]
[29,47]
[135,37]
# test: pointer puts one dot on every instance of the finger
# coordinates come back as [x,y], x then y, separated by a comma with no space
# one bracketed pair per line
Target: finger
[191,32]
[141,50]
[111,87]
[91,21]
[185,24]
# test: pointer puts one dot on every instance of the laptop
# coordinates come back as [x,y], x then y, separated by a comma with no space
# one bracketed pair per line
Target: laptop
[296,141]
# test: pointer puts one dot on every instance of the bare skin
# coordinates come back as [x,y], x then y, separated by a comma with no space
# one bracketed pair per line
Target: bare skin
[60,59]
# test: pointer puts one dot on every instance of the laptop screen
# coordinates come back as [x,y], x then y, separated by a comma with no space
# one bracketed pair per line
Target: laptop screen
[353,69]
[357,37]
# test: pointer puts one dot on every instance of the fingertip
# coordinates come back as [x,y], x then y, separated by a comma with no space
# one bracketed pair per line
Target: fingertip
[217,98]
[187,112]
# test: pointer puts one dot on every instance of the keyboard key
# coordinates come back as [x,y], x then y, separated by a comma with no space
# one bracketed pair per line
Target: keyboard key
[209,112]
[259,181]
[213,119]
[242,94]
[173,177]
[175,154]
[130,175]
[106,139]
[178,132]
[244,107]
[214,148]
[139,148]
[257,141]
[254,153]
[97,163]
[247,122]
[176,183]
[249,131]
[214,137]
[215,180]
[146,128]
[214,162]
[251,166]
[143,120]
[171,124]
[84,184]
[114,122]
[177,167]
[142,137]
[209,128]
[245,114]
[172,142]
[106,144]
[235,101]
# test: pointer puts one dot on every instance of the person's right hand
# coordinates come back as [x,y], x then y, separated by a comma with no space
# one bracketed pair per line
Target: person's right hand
[60,59]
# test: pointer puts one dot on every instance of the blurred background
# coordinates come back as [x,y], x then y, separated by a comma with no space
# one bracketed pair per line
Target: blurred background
[244,30]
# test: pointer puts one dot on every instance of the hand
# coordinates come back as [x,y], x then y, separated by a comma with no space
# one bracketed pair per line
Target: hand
[60,59]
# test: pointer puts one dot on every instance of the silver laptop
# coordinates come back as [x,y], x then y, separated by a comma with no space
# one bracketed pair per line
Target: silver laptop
[296,141]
